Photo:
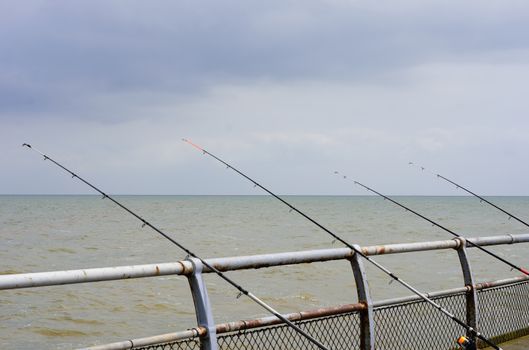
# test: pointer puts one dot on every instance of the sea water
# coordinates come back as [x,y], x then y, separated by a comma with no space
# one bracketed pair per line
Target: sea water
[47,233]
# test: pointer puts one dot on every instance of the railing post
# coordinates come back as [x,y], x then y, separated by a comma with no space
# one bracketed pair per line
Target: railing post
[472,316]
[202,306]
[367,331]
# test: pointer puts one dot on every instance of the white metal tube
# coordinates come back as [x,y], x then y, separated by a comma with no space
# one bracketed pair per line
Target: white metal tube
[53,278]
[40,279]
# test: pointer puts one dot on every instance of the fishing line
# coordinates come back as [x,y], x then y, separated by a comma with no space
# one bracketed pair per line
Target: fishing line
[447,313]
[514,266]
[481,199]
[144,222]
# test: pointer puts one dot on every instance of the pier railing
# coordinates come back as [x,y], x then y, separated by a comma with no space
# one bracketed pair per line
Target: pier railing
[499,309]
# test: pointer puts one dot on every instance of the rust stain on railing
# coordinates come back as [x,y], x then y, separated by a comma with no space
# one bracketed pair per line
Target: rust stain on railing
[295,316]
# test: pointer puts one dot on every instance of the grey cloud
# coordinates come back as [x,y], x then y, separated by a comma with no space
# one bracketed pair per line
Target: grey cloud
[68,52]
[290,91]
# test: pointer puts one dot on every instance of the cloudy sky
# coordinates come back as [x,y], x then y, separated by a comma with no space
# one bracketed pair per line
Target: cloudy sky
[288,91]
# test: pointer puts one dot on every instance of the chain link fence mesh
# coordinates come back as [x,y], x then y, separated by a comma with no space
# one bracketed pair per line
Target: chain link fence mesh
[337,332]
[418,325]
[504,311]
[503,316]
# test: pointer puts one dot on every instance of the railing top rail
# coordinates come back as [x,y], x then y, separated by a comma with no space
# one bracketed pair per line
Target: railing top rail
[184,267]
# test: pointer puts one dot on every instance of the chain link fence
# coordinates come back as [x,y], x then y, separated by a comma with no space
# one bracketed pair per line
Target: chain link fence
[338,332]
[503,310]
[418,325]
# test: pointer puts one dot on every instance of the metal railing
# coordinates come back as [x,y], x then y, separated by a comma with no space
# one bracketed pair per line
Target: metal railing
[389,324]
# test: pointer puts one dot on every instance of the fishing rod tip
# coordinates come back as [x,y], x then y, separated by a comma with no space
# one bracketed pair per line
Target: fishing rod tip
[26,145]
[194,145]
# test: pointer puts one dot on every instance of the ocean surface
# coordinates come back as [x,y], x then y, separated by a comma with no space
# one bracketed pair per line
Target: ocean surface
[46,233]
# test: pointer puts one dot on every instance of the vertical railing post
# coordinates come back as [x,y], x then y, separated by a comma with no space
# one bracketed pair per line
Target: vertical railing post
[472,315]
[202,306]
[367,330]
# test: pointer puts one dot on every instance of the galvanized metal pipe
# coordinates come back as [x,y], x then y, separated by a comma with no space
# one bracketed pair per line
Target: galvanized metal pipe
[472,313]
[320,255]
[54,278]
[503,282]
[452,291]
[41,279]
[367,321]
[295,316]
[203,309]
[157,339]
[446,244]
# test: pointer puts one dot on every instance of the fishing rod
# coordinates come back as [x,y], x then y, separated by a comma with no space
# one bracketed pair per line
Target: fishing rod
[423,296]
[481,199]
[188,252]
[514,266]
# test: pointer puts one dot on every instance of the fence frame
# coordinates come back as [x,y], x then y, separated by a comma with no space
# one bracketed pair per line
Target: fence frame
[193,269]
[367,323]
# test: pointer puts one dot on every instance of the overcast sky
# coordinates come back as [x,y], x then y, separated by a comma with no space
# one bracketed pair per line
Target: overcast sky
[288,91]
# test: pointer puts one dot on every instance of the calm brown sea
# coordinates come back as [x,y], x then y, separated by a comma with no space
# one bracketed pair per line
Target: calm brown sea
[45,233]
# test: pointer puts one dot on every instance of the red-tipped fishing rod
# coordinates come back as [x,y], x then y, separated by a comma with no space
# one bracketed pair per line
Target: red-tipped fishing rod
[423,296]
[477,196]
[189,252]
[521,269]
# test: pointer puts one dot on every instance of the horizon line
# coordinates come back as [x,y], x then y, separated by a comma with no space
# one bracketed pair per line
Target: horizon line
[256,195]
